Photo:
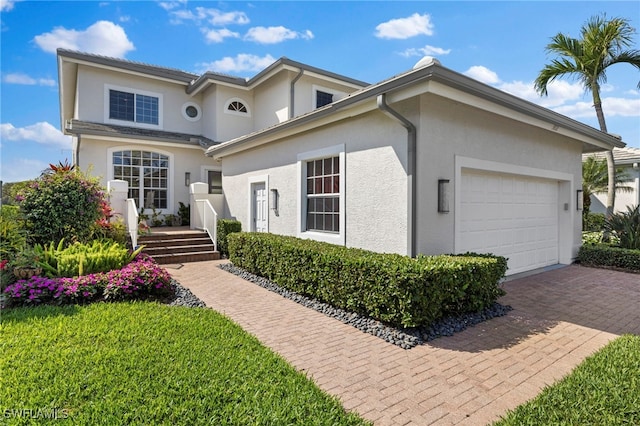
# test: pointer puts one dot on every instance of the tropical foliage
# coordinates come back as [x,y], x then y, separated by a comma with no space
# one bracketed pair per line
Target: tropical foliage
[60,204]
[595,180]
[603,42]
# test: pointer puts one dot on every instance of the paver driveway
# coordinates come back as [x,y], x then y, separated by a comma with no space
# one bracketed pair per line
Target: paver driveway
[472,378]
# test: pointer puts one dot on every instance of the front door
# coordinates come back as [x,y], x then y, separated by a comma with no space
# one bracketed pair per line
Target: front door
[259,207]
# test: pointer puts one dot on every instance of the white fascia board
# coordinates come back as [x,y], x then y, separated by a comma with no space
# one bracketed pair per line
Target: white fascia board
[125,71]
[138,141]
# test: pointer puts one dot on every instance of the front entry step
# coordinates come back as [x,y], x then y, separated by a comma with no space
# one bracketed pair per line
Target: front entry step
[181,245]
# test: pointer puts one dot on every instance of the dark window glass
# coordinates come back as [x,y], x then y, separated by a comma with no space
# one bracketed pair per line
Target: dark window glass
[323,98]
[121,105]
[323,195]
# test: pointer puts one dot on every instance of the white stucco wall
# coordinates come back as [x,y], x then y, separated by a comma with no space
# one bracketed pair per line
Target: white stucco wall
[624,199]
[94,153]
[375,176]
[232,124]
[92,100]
[448,129]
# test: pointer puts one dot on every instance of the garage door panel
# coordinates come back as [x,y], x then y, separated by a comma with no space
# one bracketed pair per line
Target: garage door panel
[511,216]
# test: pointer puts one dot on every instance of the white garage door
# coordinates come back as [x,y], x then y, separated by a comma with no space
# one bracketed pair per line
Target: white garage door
[509,215]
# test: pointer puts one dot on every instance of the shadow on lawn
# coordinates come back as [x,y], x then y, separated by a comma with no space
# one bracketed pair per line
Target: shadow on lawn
[596,299]
[28,313]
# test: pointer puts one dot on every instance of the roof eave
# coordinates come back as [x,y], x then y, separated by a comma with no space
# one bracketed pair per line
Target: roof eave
[599,140]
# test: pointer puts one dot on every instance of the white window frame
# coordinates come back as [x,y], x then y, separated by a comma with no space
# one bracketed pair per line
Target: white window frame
[170,175]
[337,95]
[303,158]
[238,113]
[186,116]
[108,87]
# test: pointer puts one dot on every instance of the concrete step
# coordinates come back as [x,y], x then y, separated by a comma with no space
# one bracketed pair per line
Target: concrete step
[173,246]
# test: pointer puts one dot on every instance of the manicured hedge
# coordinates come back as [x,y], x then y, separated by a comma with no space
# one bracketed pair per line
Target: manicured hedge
[392,288]
[603,255]
[225,227]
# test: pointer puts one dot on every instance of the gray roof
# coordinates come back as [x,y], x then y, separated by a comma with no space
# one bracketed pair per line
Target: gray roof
[626,155]
[79,127]
[432,72]
[194,81]
[202,80]
[164,72]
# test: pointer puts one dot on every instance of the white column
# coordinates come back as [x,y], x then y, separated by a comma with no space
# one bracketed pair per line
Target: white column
[118,191]
[197,191]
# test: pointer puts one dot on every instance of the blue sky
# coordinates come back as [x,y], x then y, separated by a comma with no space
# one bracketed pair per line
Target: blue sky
[500,43]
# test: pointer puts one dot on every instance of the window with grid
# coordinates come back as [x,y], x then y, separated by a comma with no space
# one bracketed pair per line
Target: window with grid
[147,174]
[133,107]
[323,195]
[323,98]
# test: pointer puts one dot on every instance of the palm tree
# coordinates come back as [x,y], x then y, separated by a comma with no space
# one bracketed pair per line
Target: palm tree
[603,43]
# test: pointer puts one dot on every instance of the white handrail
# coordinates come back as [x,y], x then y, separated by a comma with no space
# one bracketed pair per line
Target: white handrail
[131,214]
[206,219]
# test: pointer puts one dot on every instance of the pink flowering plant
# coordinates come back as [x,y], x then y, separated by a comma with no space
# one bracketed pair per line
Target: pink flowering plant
[141,278]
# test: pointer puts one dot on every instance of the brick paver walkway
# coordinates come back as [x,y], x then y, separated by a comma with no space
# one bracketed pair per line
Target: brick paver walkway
[472,378]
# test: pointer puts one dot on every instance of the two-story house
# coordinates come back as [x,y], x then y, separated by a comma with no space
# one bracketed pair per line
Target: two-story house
[428,161]
[150,125]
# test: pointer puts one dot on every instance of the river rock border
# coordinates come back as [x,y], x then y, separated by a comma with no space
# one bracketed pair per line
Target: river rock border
[404,338]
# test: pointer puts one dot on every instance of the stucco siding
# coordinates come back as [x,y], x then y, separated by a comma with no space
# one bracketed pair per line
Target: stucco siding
[91,100]
[232,124]
[272,101]
[375,181]
[448,130]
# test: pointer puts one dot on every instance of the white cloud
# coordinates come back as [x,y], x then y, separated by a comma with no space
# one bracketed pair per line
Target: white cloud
[103,37]
[21,169]
[126,18]
[19,78]
[169,5]
[612,107]
[210,16]
[6,5]
[272,35]
[425,51]
[241,63]
[42,133]
[482,74]
[403,28]
[218,36]
[632,92]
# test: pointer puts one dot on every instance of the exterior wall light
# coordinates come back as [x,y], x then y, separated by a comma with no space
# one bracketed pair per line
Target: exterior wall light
[274,200]
[187,178]
[443,195]
[579,200]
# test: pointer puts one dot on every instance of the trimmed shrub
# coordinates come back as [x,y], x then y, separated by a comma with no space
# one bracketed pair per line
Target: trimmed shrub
[392,288]
[593,222]
[61,204]
[603,255]
[223,229]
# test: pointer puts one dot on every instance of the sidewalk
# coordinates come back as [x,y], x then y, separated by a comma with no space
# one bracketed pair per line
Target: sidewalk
[472,378]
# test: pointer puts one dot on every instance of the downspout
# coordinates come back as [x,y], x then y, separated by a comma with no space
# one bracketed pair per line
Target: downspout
[411,169]
[292,93]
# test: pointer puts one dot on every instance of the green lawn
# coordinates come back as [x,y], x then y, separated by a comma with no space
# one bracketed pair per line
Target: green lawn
[603,390]
[147,363]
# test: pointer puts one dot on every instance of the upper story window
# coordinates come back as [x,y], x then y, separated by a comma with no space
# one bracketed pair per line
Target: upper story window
[191,111]
[323,98]
[237,106]
[133,106]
